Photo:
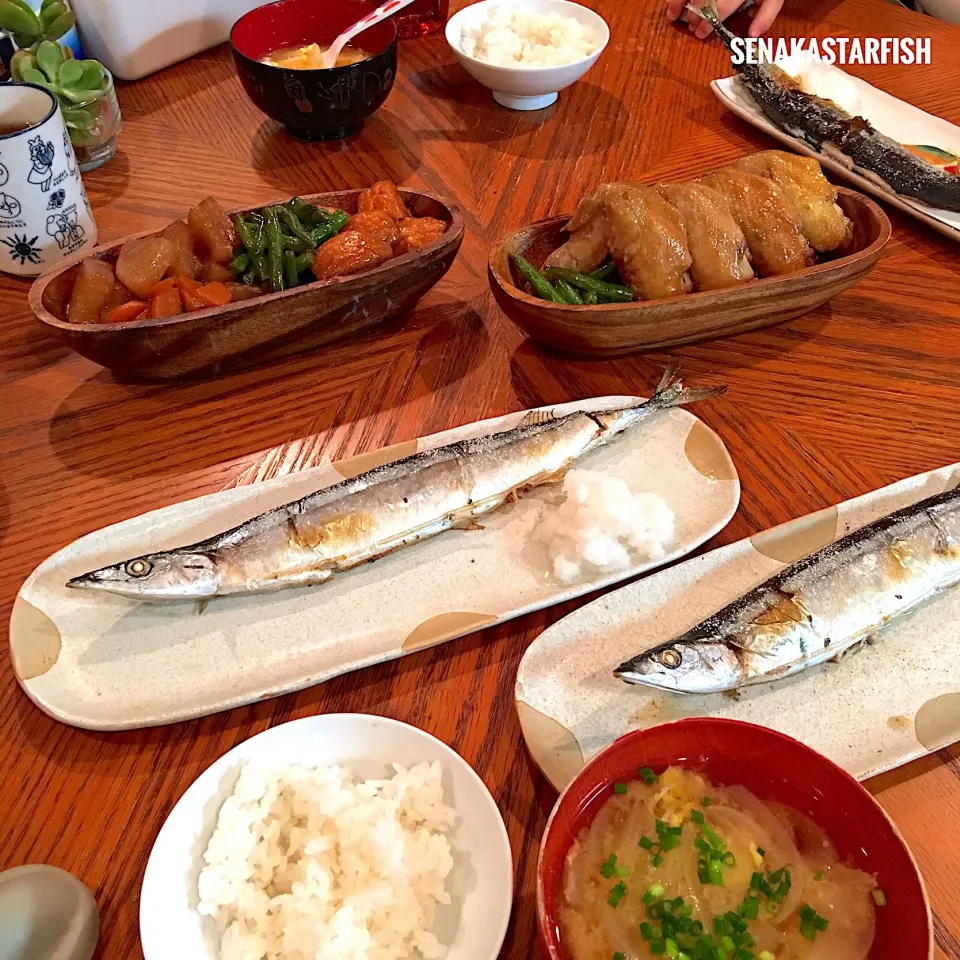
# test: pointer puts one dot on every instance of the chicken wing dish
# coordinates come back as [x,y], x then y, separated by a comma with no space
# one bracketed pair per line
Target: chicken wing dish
[766,215]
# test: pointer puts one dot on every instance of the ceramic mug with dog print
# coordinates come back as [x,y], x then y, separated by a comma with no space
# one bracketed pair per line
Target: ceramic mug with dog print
[44,212]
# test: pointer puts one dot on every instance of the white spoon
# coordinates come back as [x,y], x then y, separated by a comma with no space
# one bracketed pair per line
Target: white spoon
[385,10]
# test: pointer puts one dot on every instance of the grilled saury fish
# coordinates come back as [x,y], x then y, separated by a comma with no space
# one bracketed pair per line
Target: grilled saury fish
[833,131]
[310,540]
[816,609]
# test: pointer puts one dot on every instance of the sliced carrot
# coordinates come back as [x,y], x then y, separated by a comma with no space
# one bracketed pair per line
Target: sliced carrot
[214,294]
[163,286]
[165,302]
[126,312]
[189,293]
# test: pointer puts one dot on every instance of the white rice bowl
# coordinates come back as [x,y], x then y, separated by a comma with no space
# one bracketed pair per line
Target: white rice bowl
[508,37]
[478,885]
[308,862]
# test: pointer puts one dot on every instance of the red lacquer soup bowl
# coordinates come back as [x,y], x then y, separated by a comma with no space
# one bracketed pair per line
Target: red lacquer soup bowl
[773,767]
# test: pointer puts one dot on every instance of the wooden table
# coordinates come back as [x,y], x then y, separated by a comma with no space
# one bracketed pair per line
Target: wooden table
[850,397]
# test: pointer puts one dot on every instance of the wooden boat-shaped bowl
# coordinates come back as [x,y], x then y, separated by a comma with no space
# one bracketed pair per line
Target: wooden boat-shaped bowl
[219,339]
[608,330]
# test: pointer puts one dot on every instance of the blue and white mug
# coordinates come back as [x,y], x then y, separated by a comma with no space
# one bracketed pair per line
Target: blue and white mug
[44,212]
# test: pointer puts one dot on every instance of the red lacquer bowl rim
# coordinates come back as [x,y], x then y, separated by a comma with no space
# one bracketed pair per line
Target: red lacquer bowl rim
[257,12]
[590,782]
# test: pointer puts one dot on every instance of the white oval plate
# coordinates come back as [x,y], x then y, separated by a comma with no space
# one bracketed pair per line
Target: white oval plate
[874,711]
[109,663]
[480,883]
[895,118]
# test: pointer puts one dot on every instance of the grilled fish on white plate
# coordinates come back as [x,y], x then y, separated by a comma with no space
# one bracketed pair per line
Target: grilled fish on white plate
[396,505]
[817,609]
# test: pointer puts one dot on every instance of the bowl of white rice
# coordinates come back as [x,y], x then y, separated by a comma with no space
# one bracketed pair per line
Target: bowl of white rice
[345,836]
[527,51]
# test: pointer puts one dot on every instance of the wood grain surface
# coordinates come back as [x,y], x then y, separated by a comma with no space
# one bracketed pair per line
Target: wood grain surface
[862,391]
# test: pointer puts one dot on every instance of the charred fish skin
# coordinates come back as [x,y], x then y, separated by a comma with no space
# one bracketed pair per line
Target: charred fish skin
[309,541]
[816,609]
[823,125]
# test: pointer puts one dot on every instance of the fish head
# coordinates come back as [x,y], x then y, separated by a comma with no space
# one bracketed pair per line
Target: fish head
[172,575]
[685,666]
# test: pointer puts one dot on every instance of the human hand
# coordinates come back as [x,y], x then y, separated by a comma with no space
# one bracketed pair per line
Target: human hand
[764,12]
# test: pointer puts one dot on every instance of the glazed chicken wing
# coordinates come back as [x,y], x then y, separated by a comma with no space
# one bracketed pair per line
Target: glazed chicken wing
[717,245]
[766,218]
[812,196]
[587,247]
[643,232]
[350,252]
[383,196]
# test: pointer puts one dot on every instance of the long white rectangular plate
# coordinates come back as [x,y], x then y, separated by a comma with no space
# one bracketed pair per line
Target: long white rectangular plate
[109,663]
[894,118]
[873,711]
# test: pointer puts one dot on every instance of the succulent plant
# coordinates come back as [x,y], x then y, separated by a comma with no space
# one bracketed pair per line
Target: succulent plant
[28,29]
[78,84]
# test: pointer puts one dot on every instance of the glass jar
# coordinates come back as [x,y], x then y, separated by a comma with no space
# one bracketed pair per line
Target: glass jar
[94,126]
[422,17]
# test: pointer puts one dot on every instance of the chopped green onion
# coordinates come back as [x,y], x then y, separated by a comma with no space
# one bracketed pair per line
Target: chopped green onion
[761,851]
[697,817]
[818,876]
[879,897]
[811,923]
[654,892]
[728,859]
[727,943]
[610,867]
[657,860]
[750,908]
[755,880]
[706,801]
[765,955]
[648,776]
[623,871]
[617,894]
[619,956]
[715,872]
[646,843]
[646,931]
[671,948]
[620,788]
[772,907]
[658,947]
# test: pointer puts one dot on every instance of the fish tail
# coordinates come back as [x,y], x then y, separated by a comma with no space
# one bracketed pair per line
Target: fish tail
[671,392]
[708,11]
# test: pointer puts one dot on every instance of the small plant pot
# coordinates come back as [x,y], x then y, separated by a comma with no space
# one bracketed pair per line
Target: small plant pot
[94,126]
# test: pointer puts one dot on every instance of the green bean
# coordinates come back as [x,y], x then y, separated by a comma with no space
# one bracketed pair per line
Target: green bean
[338,220]
[274,249]
[290,269]
[305,260]
[293,226]
[296,244]
[258,263]
[251,235]
[239,263]
[308,214]
[567,292]
[590,296]
[610,292]
[538,283]
[604,270]
[250,277]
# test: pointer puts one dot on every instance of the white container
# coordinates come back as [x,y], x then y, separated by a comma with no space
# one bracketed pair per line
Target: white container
[525,88]
[135,37]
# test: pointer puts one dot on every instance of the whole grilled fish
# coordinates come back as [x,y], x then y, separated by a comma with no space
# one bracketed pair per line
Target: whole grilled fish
[833,131]
[816,609]
[312,539]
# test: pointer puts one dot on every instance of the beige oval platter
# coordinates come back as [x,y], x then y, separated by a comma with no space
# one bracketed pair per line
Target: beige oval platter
[608,330]
[875,710]
[108,663]
[219,339]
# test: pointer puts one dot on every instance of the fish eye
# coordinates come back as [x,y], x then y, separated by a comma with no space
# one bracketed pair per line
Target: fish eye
[671,658]
[137,568]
